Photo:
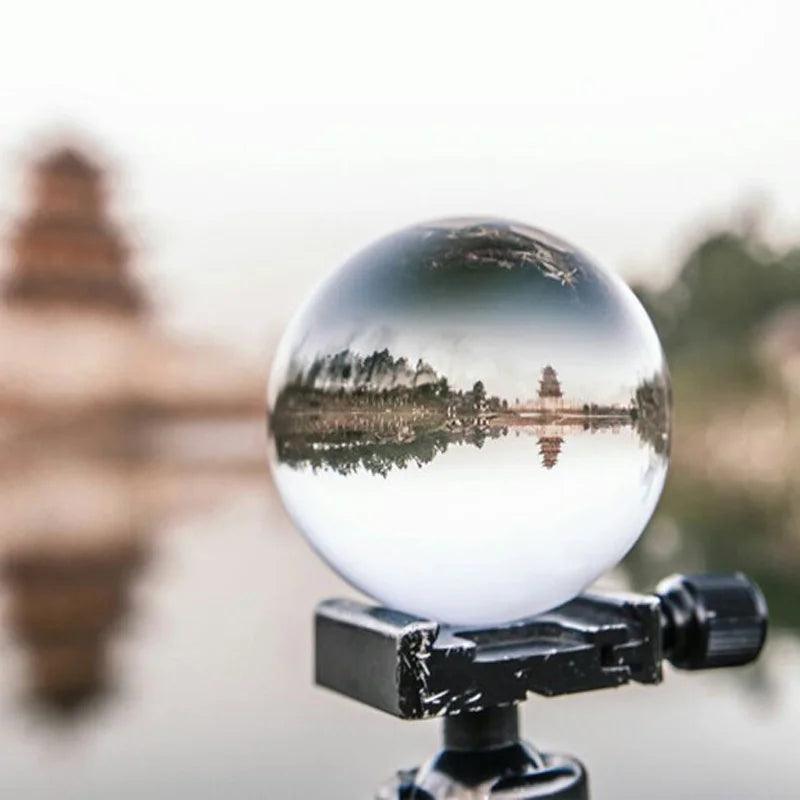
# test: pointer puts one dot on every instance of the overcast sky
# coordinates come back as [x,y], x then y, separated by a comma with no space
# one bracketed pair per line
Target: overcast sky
[257,146]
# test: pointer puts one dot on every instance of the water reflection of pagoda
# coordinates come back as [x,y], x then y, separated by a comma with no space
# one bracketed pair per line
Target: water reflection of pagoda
[549,450]
[109,428]
[65,604]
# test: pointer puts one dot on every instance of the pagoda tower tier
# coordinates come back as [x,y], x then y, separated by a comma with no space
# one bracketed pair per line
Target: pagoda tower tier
[549,385]
[66,251]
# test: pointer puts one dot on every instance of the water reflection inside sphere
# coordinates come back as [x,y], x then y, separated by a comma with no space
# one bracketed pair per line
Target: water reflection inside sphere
[470,421]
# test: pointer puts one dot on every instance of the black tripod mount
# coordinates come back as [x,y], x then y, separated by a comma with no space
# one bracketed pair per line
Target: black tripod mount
[473,678]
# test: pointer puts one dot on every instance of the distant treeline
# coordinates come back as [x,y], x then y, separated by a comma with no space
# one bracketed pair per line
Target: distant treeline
[380,379]
[728,286]
[728,289]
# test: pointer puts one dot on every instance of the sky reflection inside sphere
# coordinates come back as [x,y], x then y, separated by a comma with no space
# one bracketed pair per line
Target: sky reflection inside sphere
[470,421]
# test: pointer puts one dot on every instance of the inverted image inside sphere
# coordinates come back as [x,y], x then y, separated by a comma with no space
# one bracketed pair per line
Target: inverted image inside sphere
[470,421]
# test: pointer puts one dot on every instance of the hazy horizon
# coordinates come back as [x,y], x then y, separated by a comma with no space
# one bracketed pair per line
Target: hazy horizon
[246,171]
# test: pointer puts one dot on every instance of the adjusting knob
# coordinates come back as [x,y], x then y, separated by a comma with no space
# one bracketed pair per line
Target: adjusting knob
[712,620]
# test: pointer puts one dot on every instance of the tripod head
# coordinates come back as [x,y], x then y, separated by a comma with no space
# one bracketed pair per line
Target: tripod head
[474,677]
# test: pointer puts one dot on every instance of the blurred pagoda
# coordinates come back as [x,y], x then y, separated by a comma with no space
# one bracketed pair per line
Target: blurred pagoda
[110,429]
[66,251]
[74,335]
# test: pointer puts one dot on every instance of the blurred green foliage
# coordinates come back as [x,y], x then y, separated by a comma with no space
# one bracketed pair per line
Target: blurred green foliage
[728,284]
[727,287]
[709,319]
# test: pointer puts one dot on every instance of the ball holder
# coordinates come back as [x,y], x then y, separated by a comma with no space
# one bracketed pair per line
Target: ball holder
[474,677]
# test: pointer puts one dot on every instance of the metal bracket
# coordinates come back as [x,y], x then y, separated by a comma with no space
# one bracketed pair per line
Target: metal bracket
[416,669]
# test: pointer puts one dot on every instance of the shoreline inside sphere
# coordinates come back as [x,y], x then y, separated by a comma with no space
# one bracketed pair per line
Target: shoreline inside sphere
[470,421]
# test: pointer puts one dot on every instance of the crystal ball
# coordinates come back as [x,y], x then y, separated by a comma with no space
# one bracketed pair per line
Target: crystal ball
[470,421]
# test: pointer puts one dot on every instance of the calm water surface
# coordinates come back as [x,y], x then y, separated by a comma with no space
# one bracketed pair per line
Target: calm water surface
[211,694]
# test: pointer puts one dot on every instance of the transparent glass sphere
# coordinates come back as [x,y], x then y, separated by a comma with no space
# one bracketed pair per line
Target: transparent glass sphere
[470,421]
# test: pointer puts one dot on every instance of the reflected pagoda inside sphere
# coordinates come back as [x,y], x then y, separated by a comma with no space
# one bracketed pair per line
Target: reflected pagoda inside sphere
[470,421]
